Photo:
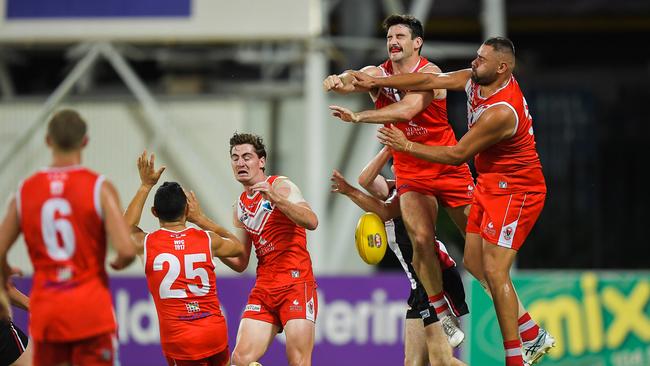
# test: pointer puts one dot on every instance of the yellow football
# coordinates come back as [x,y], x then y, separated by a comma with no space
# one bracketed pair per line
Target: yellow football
[370,237]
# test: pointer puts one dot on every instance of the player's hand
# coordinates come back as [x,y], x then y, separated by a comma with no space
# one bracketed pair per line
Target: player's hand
[394,138]
[344,114]
[149,176]
[119,263]
[194,211]
[15,272]
[333,82]
[363,80]
[339,184]
[267,191]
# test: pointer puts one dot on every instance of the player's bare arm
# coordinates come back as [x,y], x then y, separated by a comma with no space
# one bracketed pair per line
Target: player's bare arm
[286,196]
[344,83]
[494,125]
[9,231]
[369,177]
[455,80]
[402,111]
[239,263]
[116,227]
[149,177]
[223,242]
[365,201]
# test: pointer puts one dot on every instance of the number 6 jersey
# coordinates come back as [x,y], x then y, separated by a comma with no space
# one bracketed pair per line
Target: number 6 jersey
[61,219]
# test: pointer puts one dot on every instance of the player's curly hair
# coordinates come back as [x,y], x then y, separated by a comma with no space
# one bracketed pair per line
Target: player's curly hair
[248,138]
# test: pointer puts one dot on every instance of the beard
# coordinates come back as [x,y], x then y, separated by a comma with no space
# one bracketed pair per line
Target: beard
[483,79]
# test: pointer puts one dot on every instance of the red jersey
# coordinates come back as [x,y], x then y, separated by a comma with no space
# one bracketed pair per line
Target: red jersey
[181,279]
[429,127]
[511,165]
[61,219]
[280,244]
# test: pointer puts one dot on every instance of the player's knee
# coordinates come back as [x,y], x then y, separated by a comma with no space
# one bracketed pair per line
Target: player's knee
[240,358]
[298,357]
[494,274]
[422,241]
[473,266]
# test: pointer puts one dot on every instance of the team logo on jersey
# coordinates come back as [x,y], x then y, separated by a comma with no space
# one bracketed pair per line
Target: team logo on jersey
[252,307]
[503,184]
[295,274]
[507,233]
[310,310]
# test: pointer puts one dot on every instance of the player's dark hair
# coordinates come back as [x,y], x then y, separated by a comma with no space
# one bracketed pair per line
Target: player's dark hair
[249,138]
[501,44]
[66,129]
[170,201]
[408,21]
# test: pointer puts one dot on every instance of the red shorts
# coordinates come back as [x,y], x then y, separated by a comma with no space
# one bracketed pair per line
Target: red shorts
[451,190]
[100,350]
[505,220]
[219,359]
[279,305]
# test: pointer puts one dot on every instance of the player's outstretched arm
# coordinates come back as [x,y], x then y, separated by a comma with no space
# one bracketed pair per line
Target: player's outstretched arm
[286,196]
[455,80]
[116,227]
[365,201]
[402,111]
[9,232]
[344,83]
[494,125]
[369,177]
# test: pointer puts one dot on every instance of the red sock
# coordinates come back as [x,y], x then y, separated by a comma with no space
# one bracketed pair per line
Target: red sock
[440,304]
[528,329]
[513,353]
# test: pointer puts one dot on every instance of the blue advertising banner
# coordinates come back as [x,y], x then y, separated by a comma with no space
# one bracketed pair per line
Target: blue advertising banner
[26,9]
[360,319]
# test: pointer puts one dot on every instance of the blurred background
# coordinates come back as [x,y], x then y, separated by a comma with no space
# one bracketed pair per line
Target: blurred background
[179,77]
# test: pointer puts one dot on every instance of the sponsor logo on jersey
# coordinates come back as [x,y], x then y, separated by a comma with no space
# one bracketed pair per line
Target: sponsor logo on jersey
[489,229]
[192,307]
[295,306]
[503,184]
[266,205]
[295,273]
[252,307]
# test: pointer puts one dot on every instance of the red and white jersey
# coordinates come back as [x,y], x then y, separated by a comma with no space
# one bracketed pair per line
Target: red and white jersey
[280,244]
[511,165]
[429,127]
[181,279]
[61,220]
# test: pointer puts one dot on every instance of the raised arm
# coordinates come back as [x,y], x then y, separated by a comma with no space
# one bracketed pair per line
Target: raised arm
[365,201]
[344,83]
[286,196]
[224,243]
[495,124]
[455,80]
[149,177]
[370,179]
